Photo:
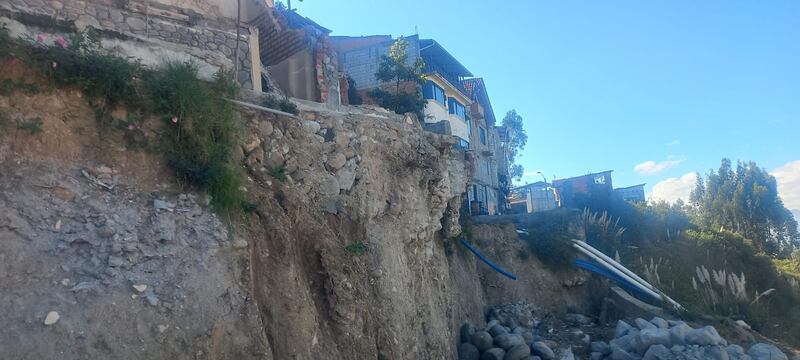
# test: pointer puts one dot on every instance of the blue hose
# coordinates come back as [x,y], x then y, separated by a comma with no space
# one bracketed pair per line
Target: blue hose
[492,265]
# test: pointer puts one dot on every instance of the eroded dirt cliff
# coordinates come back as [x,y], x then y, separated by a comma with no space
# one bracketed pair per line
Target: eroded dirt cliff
[346,257]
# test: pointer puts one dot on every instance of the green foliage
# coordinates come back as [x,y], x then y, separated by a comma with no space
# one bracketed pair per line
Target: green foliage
[353,98]
[549,237]
[101,74]
[31,126]
[278,172]
[8,86]
[201,130]
[746,201]
[357,248]
[401,102]
[283,104]
[517,140]
[394,68]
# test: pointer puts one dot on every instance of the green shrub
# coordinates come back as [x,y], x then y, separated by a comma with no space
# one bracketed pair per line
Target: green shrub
[201,129]
[400,103]
[358,248]
[31,126]
[278,172]
[549,237]
[8,86]
[283,104]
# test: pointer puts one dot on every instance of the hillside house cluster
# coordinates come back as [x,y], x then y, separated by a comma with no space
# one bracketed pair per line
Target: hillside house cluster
[275,50]
[570,192]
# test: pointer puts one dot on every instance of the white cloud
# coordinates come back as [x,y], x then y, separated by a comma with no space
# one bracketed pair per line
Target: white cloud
[674,142]
[788,178]
[673,188]
[651,167]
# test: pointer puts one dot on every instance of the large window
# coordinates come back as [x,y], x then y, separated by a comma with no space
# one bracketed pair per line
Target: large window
[485,168]
[483,135]
[431,91]
[456,108]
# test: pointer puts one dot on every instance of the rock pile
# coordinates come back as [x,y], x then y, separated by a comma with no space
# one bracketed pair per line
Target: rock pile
[659,339]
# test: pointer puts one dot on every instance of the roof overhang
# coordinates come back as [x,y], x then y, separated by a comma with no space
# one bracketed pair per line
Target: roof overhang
[432,49]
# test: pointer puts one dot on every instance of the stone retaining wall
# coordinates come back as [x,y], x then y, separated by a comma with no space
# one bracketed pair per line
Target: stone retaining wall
[208,41]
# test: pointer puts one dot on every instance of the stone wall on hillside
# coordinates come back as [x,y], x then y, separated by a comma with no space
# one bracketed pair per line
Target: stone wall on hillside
[145,30]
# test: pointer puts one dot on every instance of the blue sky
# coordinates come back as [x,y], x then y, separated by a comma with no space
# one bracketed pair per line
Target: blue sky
[671,85]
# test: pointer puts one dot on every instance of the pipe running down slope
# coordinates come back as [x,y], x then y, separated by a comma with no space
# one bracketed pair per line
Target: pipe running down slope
[492,265]
[622,272]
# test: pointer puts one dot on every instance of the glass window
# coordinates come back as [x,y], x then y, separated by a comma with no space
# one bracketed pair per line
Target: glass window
[431,91]
[483,135]
[456,108]
[485,167]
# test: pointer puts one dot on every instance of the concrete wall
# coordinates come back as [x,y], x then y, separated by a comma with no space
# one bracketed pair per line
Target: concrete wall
[459,127]
[148,36]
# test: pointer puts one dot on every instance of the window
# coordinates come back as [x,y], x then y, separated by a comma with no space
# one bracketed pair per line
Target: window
[456,108]
[469,126]
[462,144]
[431,91]
[485,167]
[483,135]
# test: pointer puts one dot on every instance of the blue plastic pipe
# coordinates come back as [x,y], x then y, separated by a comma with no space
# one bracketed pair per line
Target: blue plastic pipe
[492,265]
[597,269]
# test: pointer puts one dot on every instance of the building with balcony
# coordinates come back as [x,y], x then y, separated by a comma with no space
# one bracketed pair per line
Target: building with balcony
[444,94]
[485,194]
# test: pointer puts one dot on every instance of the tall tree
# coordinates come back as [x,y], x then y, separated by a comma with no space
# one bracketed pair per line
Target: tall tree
[518,138]
[746,201]
[395,69]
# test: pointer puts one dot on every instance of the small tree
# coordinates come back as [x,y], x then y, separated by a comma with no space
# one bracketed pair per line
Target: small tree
[394,68]
[518,138]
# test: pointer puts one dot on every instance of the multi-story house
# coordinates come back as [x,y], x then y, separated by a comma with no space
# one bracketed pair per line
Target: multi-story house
[444,94]
[484,194]
[455,103]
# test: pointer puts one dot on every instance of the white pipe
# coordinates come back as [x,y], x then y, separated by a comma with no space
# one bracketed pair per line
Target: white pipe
[619,268]
[617,272]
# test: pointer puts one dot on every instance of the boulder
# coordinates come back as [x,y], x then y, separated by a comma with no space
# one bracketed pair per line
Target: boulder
[621,329]
[650,337]
[644,324]
[467,351]
[568,355]
[497,330]
[678,333]
[736,352]
[703,336]
[715,352]
[494,354]
[518,352]
[596,356]
[660,323]
[620,354]
[762,351]
[541,349]
[600,347]
[507,341]
[482,340]
[466,332]
[658,352]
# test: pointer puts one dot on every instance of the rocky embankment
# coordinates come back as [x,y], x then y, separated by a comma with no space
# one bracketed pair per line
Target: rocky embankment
[513,333]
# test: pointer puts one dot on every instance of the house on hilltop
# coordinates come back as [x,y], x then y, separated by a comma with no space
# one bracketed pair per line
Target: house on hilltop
[590,185]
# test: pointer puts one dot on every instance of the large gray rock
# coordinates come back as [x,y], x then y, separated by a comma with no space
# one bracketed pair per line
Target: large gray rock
[568,355]
[678,333]
[736,352]
[704,336]
[467,351]
[627,343]
[658,352]
[466,332]
[518,352]
[596,356]
[621,329]
[507,341]
[660,323]
[601,347]
[644,324]
[621,354]
[482,340]
[762,351]
[541,349]
[494,354]
[498,330]
[649,337]
[715,352]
